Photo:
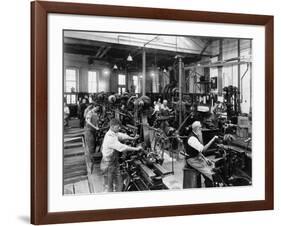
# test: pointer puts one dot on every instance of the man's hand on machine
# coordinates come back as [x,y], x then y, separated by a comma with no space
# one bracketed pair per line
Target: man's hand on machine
[214,138]
[136,137]
[139,148]
[209,162]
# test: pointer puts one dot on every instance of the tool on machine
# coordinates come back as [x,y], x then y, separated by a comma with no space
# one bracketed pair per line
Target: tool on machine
[141,171]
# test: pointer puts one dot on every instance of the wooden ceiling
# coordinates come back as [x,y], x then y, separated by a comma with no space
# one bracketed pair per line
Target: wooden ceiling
[115,53]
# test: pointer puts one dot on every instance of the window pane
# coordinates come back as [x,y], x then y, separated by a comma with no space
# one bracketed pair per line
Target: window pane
[92,82]
[136,83]
[68,99]
[70,75]
[70,85]
[121,79]
[73,99]
[70,80]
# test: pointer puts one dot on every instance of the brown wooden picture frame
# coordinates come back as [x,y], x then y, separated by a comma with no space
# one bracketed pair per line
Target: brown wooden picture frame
[39,109]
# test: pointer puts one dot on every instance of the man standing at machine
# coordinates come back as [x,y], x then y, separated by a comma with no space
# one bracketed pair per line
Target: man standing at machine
[164,106]
[81,109]
[91,129]
[195,149]
[110,156]
[66,112]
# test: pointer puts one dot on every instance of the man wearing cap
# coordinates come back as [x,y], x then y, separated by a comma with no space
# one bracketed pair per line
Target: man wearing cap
[195,149]
[110,156]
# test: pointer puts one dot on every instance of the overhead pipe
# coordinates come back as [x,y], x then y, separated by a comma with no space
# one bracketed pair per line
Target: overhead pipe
[239,72]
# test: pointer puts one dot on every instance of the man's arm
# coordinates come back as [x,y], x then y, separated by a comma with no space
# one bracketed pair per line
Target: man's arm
[88,120]
[209,143]
[129,148]
[124,136]
[86,111]
[118,146]
[193,142]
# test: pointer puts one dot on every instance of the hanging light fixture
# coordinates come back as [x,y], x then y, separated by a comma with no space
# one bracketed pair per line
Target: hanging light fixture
[115,67]
[129,58]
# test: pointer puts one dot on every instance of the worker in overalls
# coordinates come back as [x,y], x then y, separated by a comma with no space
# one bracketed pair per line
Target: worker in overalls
[91,129]
[110,156]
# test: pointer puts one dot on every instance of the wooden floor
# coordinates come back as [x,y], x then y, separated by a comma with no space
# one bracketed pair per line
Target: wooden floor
[75,173]
[176,164]
[81,177]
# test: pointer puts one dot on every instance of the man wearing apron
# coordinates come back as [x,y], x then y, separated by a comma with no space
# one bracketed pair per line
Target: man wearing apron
[195,158]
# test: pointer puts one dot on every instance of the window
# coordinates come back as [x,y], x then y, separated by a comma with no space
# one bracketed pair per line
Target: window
[92,82]
[71,98]
[71,80]
[71,85]
[136,84]
[155,82]
[121,80]
[121,83]
[121,90]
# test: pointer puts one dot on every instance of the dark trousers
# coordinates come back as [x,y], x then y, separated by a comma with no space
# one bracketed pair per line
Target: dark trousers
[90,139]
[82,122]
[112,176]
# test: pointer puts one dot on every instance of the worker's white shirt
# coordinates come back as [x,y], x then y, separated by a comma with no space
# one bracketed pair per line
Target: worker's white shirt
[156,107]
[163,107]
[195,143]
[66,109]
[111,142]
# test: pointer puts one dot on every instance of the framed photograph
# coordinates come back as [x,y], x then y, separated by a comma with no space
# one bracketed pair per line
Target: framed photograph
[148,112]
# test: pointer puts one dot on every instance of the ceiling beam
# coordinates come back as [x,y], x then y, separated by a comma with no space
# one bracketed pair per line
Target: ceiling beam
[99,51]
[104,52]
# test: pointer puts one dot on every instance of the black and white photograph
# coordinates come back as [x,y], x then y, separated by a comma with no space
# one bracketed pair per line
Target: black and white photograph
[146,112]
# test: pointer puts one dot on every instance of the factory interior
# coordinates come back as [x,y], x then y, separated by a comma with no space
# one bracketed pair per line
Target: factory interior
[162,89]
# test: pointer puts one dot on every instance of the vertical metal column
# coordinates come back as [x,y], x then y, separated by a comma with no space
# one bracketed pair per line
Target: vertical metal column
[239,71]
[180,89]
[143,71]
[250,110]
[220,78]
[239,75]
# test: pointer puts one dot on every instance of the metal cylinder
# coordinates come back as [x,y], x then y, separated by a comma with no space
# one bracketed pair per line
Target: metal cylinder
[191,178]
